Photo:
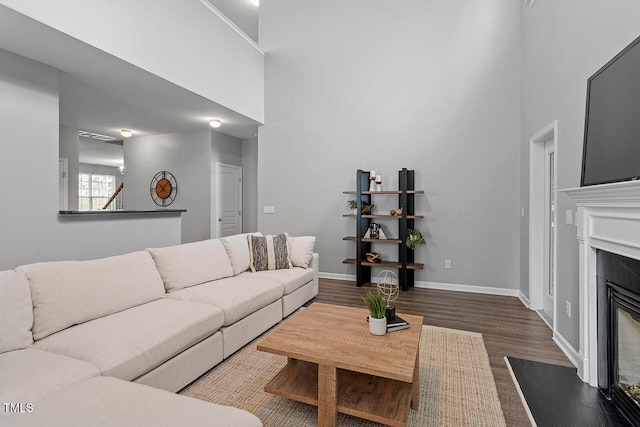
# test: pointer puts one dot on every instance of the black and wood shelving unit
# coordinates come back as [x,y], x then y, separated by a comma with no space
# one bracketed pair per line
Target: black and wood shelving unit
[405,263]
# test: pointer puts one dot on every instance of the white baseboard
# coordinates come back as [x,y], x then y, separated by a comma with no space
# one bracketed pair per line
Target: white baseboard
[335,276]
[468,288]
[571,353]
[442,286]
[524,300]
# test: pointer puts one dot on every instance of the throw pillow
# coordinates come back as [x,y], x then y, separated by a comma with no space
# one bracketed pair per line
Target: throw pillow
[268,252]
[301,250]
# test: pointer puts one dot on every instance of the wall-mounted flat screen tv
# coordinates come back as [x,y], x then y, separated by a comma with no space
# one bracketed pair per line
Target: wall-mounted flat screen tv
[611,150]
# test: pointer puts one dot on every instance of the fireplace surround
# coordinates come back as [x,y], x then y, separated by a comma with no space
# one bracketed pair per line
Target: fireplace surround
[608,222]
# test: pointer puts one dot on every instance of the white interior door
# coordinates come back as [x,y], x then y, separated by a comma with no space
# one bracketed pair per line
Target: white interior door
[229,197]
[549,229]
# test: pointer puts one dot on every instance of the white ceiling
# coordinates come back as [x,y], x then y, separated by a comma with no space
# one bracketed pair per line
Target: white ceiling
[243,13]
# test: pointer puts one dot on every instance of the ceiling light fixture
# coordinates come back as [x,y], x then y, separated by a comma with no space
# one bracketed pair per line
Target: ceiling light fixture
[215,123]
[255,2]
[126,133]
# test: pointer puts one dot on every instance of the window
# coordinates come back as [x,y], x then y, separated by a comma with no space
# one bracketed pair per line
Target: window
[94,191]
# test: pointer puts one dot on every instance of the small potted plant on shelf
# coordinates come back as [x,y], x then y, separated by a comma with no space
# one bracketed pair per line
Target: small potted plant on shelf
[377,312]
[414,239]
[353,205]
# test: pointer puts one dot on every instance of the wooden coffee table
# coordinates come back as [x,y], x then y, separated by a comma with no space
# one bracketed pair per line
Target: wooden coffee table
[334,363]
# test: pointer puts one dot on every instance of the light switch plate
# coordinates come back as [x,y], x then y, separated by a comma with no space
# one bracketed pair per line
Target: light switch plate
[569,217]
[269,209]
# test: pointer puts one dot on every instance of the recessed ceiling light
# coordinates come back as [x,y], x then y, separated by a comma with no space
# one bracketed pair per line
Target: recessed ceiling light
[215,123]
[126,133]
[255,2]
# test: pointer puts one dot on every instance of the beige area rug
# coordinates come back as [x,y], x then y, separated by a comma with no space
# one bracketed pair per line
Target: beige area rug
[456,385]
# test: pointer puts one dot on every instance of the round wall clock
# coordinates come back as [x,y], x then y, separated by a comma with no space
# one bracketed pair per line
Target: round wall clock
[164,188]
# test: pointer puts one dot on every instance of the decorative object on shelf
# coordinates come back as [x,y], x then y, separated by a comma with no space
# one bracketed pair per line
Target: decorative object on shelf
[163,188]
[394,212]
[353,205]
[374,257]
[374,232]
[414,238]
[387,282]
[377,311]
[372,180]
[378,182]
[366,208]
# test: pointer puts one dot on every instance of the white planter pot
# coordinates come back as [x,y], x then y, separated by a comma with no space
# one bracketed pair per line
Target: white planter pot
[378,326]
[354,211]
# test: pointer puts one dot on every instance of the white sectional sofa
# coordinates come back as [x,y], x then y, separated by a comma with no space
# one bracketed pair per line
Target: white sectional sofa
[81,342]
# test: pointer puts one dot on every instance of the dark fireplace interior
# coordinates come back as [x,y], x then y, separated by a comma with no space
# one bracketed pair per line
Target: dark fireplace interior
[619,332]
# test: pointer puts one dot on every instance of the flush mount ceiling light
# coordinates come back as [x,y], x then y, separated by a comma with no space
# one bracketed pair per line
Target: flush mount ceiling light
[215,123]
[255,2]
[126,133]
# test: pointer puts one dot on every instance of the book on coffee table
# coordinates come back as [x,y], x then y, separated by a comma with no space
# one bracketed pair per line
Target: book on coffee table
[397,324]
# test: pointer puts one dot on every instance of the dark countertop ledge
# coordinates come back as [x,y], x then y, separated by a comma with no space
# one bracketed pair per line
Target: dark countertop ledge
[121,212]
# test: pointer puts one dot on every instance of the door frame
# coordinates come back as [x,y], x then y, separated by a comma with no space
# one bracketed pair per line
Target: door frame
[63,182]
[218,198]
[537,217]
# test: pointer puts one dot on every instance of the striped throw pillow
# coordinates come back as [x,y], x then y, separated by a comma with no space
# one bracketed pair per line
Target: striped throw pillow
[268,252]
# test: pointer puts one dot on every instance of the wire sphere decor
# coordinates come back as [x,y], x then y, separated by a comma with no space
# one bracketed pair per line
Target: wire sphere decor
[387,282]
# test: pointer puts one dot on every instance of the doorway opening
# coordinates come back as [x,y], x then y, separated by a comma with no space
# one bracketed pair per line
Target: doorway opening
[542,223]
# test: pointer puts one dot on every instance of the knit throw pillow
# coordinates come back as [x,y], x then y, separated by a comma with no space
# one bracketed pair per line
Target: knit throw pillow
[268,252]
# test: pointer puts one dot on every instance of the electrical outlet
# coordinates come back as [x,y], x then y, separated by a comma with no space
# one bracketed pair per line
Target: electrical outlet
[447,263]
[568,308]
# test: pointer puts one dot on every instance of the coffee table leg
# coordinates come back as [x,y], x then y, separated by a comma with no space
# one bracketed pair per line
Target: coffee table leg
[415,394]
[327,396]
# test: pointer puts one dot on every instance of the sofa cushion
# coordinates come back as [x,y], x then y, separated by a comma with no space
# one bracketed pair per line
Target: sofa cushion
[237,248]
[29,375]
[301,250]
[291,279]
[16,311]
[128,344]
[190,264]
[268,252]
[108,402]
[66,293]
[238,297]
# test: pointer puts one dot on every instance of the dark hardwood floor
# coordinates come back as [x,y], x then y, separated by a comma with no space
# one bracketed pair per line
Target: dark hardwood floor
[508,329]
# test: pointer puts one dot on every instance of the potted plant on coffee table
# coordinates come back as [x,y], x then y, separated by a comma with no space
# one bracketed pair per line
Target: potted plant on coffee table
[377,310]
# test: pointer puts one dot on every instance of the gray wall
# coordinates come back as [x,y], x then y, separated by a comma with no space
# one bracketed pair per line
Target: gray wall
[431,86]
[30,228]
[188,157]
[250,185]
[564,43]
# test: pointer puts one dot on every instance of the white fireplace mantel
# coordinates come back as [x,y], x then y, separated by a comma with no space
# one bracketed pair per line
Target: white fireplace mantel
[608,219]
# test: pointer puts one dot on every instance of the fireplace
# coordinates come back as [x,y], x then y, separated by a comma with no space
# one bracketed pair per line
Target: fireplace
[619,331]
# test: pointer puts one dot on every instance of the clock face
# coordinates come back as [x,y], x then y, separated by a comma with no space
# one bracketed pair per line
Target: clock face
[164,188]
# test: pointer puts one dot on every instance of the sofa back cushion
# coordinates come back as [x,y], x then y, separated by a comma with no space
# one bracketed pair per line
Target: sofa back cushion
[16,312]
[191,264]
[66,293]
[301,250]
[237,248]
